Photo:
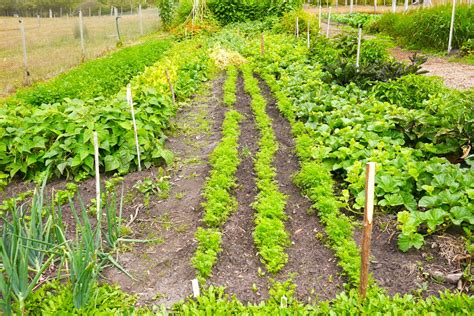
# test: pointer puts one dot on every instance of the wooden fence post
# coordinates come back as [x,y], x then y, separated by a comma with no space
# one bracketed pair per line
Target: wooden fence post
[26,79]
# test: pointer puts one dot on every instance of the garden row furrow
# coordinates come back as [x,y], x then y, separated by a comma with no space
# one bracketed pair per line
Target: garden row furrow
[218,190]
[270,235]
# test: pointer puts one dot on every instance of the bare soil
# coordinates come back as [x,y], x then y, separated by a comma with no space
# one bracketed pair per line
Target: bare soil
[410,272]
[163,270]
[317,275]
[238,263]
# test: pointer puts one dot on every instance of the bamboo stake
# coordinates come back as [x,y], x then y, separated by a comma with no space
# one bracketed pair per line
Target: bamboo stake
[367,234]
[137,145]
[262,44]
[170,84]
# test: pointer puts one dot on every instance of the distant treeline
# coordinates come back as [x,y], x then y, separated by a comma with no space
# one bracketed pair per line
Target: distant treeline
[63,7]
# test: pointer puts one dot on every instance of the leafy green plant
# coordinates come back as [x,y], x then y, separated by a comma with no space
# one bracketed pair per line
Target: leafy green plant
[209,241]
[230,86]
[167,8]
[63,196]
[58,137]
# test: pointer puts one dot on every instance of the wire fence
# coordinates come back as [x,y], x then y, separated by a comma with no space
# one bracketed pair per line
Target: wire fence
[53,45]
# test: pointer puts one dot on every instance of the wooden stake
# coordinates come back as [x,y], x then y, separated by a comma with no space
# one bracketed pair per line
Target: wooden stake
[170,84]
[81,31]
[394,6]
[329,23]
[308,37]
[367,234]
[319,17]
[195,285]
[297,27]
[262,44]
[405,9]
[140,17]
[26,79]
[359,39]
[351,6]
[137,145]
[97,180]
[451,28]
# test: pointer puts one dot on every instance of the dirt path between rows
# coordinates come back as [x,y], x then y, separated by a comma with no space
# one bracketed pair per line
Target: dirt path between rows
[454,75]
[238,263]
[163,270]
[317,275]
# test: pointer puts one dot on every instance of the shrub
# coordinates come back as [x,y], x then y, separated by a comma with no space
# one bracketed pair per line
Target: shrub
[230,11]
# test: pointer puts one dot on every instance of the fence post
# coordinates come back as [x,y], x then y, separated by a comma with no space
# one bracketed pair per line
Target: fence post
[81,31]
[26,79]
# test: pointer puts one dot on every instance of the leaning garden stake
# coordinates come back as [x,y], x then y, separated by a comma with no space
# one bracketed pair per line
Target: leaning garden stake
[170,84]
[451,28]
[137,145]
[367,234]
